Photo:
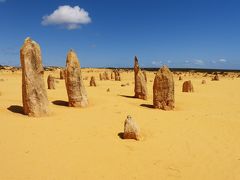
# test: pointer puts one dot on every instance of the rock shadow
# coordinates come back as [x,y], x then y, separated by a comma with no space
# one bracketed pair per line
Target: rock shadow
[127,96]
[120,135]
[60,103]
[148,106]
[16,109]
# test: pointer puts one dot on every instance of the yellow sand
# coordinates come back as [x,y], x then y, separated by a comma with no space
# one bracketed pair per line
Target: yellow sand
[199,140]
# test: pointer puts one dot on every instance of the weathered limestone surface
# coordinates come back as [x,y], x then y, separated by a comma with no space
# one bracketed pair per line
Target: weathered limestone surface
[112,75]
[140,82]
[100,77]
[76,91]
[34,94]
[62,74]
[145,75]
[105,76]
[117,75]
[215,78]
[187,86]
[131,130]
[51,82]
[92,81]
[163,89]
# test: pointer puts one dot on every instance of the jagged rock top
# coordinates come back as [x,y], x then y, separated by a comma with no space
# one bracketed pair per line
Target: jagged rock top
[32,46]
[72,57]
[164,69]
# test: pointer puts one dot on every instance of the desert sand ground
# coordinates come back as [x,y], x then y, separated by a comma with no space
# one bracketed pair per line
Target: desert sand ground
[199,140]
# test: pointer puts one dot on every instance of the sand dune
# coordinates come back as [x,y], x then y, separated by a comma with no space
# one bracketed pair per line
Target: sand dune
[199,140]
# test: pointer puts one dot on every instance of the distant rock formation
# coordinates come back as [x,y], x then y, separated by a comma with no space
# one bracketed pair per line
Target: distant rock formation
[140,82]
[131,130]
[105,76]
[112,75]
[77,94]
[203,81]
[187,86]
[62,74]
[145,75]
[117,75]
[100,77]
[205,75]
[163,89]
[180,78]
[215,78]
[34,93]
[51,82]
[92,81]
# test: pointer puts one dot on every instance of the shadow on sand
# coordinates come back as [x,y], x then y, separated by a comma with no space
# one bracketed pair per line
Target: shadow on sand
[60,103]
[120,135]
[16,109]
[148,106]
[128,96]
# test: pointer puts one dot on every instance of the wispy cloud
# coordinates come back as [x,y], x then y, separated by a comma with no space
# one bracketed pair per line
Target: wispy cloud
[2,1]
[222,60]
[156,63]
[194,62]
[219,61]
[198,62]
[67,17]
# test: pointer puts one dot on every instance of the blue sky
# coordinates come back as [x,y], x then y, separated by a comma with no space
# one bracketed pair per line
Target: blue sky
[179,33]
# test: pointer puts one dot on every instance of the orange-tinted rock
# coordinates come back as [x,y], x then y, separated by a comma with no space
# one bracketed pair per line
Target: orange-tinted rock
[140,82]
[76,91]
[62,74]
[117,75]
[145,75]
[163,89]
[100,77]
[112,75]
[203,81]
[105,76]
[187,86]
[51,82]
[92,81]
[215,78]
[34,93]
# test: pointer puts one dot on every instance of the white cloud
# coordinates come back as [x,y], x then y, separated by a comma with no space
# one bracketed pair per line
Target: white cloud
[2,1]
[219,61]
[198,62]
[222,60]
[156,63]
[68,17]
